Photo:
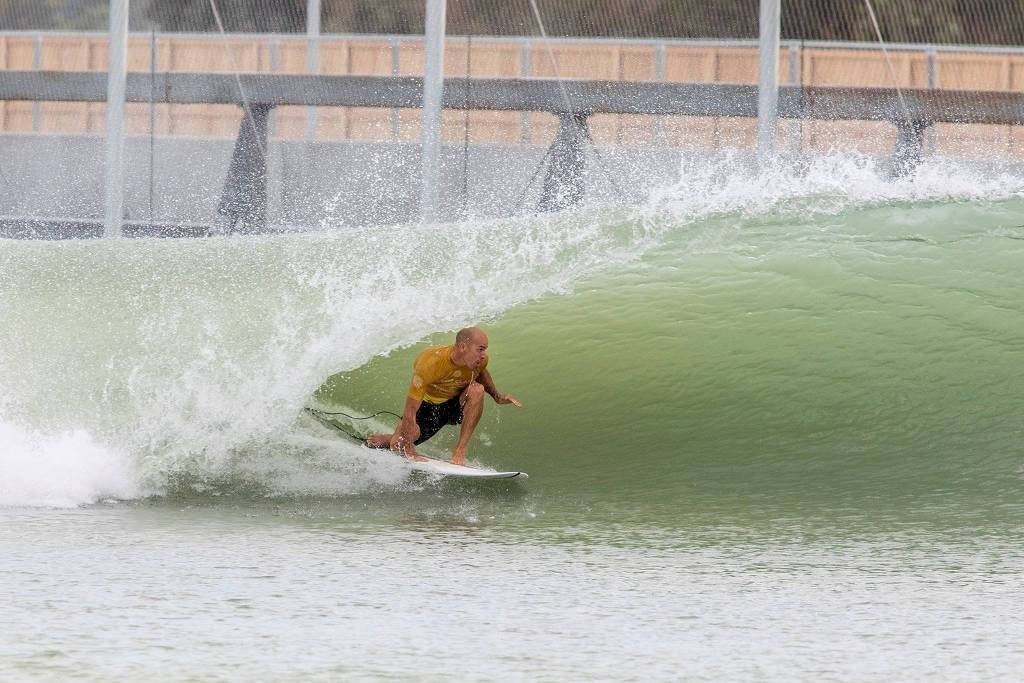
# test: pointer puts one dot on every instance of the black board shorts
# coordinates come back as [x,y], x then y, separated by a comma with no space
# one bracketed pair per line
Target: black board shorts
[432,416]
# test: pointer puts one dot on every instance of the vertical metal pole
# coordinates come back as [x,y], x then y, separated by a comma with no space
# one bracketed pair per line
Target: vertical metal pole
[37,64]
[117,74]
[796,79]
[929,135]
[659,75]
[433,91]
[275,65]
[768,79]
[524,118]
[396,70]
[152,119]
[312,57]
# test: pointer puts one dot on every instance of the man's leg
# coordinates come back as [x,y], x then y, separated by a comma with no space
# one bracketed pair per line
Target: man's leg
[405,446]
[427,424]
[472,401]
[379,441]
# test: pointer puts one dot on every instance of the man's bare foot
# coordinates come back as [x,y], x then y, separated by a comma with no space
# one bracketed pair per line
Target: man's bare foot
[458,456]
[414,457]
[378,441]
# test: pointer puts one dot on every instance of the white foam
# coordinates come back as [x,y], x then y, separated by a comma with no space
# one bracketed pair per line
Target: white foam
[61,470]
[233,378]
[194,357]
[821,184]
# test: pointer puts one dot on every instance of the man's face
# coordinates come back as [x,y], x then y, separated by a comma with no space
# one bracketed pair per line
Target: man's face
[474,350]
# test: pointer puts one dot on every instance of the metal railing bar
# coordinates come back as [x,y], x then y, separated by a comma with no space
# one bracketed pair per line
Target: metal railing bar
[535,94]
[482,40]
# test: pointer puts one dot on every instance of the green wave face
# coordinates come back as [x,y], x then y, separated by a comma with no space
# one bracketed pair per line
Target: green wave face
[817,335]
[868,355]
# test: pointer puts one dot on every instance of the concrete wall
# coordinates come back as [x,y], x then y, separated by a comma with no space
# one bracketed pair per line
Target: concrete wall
[346,183]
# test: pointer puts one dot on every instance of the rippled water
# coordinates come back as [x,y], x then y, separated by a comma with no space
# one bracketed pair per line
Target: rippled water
[318,590]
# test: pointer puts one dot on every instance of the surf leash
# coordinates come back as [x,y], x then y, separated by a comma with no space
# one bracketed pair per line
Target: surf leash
[324,417]
[354,417]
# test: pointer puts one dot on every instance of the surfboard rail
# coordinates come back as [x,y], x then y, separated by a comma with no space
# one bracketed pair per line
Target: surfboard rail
[447,469]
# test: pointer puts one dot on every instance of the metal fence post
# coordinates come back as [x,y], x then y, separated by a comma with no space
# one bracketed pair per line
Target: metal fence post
[37,64]
[768,79]
[117,74]
[275,65]
[433,92]
[929,135]
[795,79]
[312,57]
[659,75]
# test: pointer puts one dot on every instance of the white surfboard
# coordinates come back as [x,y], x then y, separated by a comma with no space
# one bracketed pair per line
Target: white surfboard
[431,465]
[446,469]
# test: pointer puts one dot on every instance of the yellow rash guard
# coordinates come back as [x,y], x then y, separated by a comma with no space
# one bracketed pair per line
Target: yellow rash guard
[436,379]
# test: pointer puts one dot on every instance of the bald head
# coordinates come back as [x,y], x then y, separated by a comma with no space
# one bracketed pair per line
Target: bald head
[470,347]
[471,335]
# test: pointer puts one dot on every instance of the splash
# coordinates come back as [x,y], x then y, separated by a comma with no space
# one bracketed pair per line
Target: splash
[196,357]
[62,470]
[823,185]
[185,363]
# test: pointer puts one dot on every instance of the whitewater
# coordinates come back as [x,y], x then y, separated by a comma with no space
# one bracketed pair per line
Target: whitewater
[771,423]
[155,358]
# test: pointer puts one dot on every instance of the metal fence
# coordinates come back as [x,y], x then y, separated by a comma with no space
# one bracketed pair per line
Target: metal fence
[706,61]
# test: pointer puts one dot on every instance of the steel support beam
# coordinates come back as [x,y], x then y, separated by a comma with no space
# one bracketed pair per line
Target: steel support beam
[909,146]
[244,199]
[536,94]
[919,109]
[567,164]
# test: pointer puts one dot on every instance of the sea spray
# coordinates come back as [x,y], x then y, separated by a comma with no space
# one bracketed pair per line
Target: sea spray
[62,469]
[780,300]
[791,187]
[193,355]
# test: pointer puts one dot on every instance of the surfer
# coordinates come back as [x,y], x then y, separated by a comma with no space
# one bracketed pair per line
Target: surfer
[448,386]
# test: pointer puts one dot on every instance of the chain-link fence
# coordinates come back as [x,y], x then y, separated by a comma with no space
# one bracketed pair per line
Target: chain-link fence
[345,164]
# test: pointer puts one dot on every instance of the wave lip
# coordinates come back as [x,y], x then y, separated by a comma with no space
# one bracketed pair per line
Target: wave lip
[823,185]
[62,471]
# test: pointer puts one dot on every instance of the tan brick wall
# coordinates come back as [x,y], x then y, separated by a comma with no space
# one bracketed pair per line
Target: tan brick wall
[16,53]
[495,58]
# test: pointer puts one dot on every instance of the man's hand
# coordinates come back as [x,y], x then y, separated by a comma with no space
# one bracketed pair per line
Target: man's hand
[499,398]
[404,447]
[507,398]
[404,439]
[458,456]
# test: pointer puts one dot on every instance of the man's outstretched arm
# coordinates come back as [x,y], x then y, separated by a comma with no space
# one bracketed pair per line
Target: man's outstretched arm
[488,382]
